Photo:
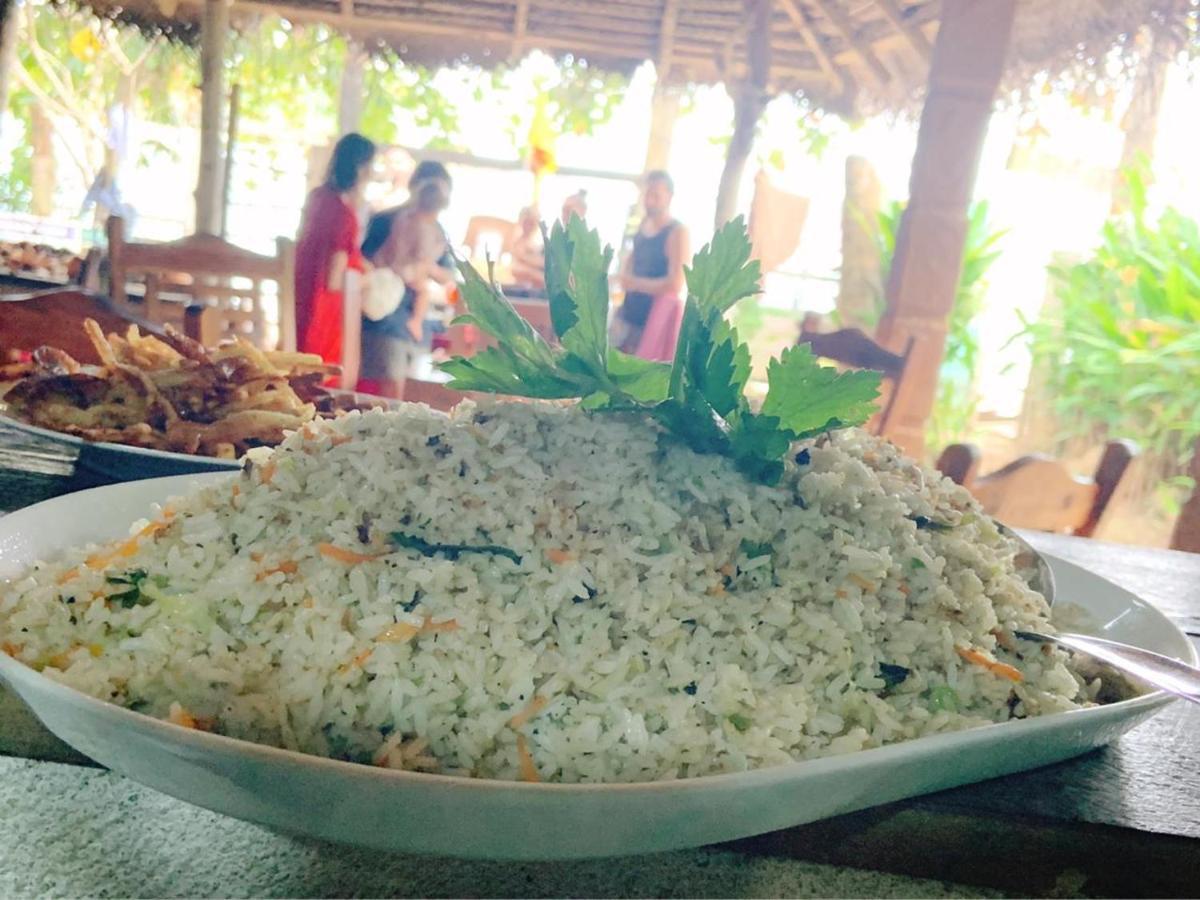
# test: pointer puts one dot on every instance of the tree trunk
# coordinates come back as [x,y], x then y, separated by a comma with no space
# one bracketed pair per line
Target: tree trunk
[8,52]
[1141,118]
[350,92]
[968,60]
[748,105]
[664,109]
[213,31]
[44,173]
[860,291]
[235,94]
[750,98]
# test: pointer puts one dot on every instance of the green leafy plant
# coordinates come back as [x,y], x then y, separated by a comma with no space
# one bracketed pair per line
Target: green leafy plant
[955,403]
[1120,348]
[700,396]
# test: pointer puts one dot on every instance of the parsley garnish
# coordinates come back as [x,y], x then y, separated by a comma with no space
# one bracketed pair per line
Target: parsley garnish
[700,397]
[450,551]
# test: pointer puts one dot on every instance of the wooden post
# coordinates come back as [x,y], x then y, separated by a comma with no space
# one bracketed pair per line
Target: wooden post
[664,109]
[350,92]
[235,94]
[860,289]
[8,51]
[1141,118]
[213,31]
[43,175]
[750,98]
[968,60]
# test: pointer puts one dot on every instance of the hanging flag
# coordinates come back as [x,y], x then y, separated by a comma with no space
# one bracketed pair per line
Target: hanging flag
[84,45]
[542,160]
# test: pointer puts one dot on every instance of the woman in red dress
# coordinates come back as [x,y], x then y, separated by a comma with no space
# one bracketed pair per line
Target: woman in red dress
[326,250]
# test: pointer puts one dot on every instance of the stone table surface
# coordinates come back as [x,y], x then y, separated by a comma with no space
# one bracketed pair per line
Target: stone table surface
[1120,821]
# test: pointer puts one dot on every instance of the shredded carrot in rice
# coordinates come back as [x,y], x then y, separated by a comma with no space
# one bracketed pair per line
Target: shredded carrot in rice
[975,657]
[529,770]
[400,633]
[12,650]
[558,557]
[69,575]
[431,626]
[179,716]
[532,708]
[346,556]
[63,659]
[287,567]
[357,661]
[869,586]
[338,439]
[129,546]
[267,472]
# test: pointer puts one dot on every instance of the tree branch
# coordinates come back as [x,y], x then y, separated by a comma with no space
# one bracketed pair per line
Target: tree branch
[55,104]
[44,61]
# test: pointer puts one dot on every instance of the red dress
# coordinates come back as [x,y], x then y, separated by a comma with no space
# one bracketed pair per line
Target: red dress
[327,226]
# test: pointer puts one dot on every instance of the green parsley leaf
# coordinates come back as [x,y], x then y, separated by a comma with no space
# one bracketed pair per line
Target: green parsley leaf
[722,273]
[496,370]
[577,288]
[644,380]
[699,398]
[450,551]
[809,398]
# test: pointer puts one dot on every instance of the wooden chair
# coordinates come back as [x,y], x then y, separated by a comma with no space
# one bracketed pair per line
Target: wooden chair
[481,227]
[1037,491]
[432,394]
[56,318]
[852,348]
[1186,534]
[205,271]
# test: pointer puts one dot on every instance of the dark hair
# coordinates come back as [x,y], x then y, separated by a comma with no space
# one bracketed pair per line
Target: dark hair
[660,175]
[349,154]
[426,169]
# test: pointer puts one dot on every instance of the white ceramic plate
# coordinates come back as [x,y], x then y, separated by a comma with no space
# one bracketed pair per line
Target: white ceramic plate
[468,817]
[107,461]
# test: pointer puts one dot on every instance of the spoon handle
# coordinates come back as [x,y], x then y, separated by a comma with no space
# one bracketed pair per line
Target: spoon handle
[1163,672]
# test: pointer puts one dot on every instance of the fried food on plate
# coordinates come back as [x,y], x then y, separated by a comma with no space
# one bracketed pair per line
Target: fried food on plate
[168,392]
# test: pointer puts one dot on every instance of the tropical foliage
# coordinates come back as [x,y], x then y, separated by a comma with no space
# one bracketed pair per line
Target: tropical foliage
[1120,347]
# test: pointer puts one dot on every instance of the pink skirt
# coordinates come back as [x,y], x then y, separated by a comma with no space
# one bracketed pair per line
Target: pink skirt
[662,329]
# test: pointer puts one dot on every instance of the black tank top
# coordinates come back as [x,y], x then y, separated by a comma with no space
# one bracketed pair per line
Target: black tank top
[649,261]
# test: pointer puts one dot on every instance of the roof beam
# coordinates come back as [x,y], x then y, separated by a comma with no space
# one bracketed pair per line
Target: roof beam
[915,37]
[386,25]
[666,38]
[836,82]
[520,23]
[846,29]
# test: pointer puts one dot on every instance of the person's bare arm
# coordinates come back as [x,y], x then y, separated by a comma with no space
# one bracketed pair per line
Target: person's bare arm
[351,332]
[674,281]
[337,270]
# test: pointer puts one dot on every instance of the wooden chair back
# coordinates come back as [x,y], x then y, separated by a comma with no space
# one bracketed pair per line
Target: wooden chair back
[1186,534]
[432,394]
[481,227]
[207,272]
[1037,491]
[852,348]
[56,318]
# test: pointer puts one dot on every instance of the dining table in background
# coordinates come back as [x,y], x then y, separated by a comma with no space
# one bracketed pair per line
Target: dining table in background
[1123,820]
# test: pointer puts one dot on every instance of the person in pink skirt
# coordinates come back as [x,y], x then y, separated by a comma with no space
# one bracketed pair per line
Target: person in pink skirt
[647,322]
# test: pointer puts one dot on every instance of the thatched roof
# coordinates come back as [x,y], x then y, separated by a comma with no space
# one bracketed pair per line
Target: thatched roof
[843,54]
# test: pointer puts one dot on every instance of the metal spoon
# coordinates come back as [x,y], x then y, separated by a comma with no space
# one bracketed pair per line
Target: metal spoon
[1171,675]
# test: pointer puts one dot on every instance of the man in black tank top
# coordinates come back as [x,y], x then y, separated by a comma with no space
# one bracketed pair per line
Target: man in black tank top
[655,266]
